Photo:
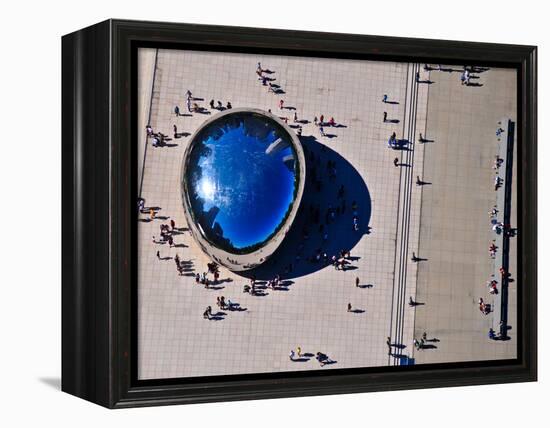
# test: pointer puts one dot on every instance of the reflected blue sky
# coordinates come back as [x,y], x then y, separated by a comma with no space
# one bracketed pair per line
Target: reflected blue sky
[241,180]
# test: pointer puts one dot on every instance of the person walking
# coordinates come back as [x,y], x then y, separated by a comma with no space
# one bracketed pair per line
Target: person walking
[385,98]
[392,142]
[396,162]
[385,116]
[158,254]
[281,104]
[357,281]
[177,111]
[349,307]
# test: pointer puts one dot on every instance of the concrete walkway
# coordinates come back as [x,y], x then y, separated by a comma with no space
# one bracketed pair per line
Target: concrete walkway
[455,230]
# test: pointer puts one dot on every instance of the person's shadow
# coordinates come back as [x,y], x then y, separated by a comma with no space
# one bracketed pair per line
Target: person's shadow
[341,233]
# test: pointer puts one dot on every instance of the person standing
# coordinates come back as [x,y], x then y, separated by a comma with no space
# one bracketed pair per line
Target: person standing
[385,98]
[158,254]
[281,104]
[396,162]
[357,281]
[385,116]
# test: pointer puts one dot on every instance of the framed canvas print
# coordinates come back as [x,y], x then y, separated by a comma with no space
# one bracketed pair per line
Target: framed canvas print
[253,213]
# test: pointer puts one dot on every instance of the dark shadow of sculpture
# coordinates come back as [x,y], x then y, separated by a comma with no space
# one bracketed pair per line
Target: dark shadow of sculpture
[296,256]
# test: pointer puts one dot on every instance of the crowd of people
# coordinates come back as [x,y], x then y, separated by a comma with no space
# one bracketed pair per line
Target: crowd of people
[499,228]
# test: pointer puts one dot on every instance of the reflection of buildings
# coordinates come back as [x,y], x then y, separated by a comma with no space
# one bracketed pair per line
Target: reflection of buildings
[208,217]
[288,160]
[276,146]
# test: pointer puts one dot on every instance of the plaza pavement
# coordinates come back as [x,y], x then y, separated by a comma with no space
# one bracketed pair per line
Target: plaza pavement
[455,229]
[173,338]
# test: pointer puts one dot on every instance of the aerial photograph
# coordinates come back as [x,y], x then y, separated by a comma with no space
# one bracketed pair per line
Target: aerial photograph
[303,213]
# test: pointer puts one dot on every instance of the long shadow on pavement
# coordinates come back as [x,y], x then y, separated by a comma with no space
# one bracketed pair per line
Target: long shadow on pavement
[296,256]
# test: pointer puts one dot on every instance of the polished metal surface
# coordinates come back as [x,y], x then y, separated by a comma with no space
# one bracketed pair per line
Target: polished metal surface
[242,181]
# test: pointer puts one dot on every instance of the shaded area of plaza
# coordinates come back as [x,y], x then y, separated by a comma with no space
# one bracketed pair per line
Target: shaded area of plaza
[324,223]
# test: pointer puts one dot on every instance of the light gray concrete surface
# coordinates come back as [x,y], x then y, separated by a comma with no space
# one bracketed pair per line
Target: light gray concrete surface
[173,338]
[455,229]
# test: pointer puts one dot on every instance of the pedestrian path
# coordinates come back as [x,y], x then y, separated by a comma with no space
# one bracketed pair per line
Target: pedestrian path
[455,232]
[407,216]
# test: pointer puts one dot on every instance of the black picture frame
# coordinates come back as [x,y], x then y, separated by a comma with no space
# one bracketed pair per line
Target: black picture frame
[98,215]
